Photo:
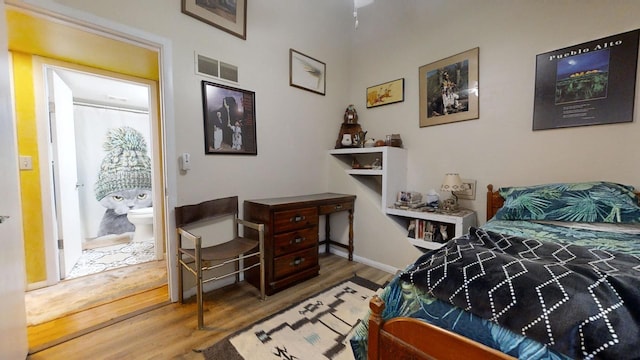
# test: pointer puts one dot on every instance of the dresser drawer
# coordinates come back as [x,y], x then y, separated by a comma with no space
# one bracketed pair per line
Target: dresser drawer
[288,264]
[328,209]
[295,240]
[295,219]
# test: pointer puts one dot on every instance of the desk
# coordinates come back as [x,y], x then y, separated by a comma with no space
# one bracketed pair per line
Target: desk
[291,235]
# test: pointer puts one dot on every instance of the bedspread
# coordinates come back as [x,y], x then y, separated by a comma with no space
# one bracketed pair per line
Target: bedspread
[582,301]
[406,300]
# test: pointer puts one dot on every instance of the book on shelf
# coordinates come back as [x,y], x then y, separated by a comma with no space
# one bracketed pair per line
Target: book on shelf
[420,229]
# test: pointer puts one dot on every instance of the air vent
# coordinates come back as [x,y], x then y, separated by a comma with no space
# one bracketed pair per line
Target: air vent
[217,69]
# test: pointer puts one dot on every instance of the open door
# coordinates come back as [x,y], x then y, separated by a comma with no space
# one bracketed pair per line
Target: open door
[13,326]
[65,174]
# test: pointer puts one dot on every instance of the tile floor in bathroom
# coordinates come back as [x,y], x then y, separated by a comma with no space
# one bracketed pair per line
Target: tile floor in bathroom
[112,257]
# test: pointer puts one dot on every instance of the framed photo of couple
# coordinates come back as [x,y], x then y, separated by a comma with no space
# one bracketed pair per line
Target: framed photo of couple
[229,120]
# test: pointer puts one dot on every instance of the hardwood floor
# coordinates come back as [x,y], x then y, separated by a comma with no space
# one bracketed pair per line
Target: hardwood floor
[70,296]
[169,331]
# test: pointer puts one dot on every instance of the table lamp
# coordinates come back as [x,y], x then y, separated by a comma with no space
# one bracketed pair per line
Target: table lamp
[452,182]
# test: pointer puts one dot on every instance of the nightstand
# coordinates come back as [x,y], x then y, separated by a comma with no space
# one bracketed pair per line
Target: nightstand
[457,224]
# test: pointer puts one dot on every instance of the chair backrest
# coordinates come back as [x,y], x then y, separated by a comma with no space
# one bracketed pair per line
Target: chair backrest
[206,210]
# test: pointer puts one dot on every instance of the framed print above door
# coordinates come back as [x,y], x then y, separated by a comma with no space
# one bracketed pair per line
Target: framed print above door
[226,15]
[449,89]
[229,120]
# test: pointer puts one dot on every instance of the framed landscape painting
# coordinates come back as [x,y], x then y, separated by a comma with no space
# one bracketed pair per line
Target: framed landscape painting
[229,120]
[384,94]
[226,15]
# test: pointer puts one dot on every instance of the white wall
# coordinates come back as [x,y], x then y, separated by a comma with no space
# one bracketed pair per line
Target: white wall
[294,127]
[395,38]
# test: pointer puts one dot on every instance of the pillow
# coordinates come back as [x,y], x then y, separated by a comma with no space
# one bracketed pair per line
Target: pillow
[576,202]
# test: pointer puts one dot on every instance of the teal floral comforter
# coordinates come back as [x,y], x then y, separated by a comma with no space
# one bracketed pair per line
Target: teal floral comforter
[404,300]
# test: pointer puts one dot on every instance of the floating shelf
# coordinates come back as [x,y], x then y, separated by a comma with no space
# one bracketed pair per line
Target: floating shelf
[393,172]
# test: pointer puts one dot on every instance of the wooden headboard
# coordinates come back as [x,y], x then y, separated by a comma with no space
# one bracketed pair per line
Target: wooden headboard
[495,201]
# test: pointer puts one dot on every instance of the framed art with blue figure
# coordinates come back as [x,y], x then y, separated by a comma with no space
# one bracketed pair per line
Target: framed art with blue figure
[229,120]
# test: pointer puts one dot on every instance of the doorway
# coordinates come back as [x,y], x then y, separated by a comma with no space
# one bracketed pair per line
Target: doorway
[92,113]
[86,106]
[92,124]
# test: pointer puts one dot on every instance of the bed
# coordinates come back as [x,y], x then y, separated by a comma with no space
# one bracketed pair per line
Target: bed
[553,274]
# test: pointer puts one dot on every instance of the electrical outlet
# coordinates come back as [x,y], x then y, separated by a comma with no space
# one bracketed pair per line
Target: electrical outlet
[470,192]
[26,163]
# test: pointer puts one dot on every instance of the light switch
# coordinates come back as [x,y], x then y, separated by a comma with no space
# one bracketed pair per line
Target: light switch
[25,163]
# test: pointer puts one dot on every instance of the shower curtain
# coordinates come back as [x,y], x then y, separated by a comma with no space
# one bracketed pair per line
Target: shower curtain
[92,122]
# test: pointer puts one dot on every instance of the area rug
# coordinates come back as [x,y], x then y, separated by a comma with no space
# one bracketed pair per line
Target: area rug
[112,257]
[316,328]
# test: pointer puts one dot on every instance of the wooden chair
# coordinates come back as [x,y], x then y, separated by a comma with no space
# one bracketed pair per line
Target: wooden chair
[197,259]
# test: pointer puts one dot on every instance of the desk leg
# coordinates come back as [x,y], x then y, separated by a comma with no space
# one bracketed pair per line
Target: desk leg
[351,235]
[327,229]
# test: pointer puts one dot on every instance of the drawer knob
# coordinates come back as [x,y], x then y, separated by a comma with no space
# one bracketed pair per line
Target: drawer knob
[297,261]
[339,206]
[297,240]
[297,218]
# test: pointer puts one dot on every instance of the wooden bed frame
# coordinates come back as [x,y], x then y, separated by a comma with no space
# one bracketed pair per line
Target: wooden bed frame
[408,338]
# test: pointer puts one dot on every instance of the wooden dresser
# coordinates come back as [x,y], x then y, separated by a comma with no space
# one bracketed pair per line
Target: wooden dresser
[291,235]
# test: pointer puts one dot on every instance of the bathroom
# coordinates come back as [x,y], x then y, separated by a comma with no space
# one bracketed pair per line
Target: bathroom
[117,120]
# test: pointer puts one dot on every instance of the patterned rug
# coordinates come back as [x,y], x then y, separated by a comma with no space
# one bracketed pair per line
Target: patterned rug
[111,257]
[316,328]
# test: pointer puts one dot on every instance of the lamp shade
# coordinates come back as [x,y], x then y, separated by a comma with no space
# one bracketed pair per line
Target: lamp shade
[452,182]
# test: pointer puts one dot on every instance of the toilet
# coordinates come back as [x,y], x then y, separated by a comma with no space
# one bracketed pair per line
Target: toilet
[142,219]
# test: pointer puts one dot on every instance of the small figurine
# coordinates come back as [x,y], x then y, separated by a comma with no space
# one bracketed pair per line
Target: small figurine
[350,115]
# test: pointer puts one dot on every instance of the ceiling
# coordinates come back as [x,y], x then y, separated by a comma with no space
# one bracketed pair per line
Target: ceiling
[101,90]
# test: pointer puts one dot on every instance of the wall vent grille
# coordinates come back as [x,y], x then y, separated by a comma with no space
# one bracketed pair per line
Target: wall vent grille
[207,66]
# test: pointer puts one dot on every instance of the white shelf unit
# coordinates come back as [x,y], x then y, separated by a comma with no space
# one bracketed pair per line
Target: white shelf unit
[393,179]
[462,220]
[393,173]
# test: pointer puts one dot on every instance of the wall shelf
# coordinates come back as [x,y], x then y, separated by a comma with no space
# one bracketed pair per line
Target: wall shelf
[392,178]
[393,173]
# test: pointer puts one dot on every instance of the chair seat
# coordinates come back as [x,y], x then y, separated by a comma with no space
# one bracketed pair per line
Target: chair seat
[224,251]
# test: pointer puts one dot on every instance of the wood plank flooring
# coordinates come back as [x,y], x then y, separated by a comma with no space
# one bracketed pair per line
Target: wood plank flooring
[70,296]
[169,331]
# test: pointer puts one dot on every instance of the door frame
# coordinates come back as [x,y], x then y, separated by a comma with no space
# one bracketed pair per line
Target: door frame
[97,25]
[46,152]
[13,327]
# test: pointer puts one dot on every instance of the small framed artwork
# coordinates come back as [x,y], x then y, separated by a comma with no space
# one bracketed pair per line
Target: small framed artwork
[306,72]
[229,16]
[469,192]
[449,89]
[229,120]
[385,94]
[592,83]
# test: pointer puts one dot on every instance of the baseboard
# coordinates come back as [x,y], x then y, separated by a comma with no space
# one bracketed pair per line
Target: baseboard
[362,260]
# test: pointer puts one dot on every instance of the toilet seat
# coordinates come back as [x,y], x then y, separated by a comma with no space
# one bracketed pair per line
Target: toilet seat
[142,220]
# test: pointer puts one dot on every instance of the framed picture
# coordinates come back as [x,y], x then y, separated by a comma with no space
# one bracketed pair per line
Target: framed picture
[449,89]
[229,120]
[229,16]
[588,84]
[306,72]
[385,94]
